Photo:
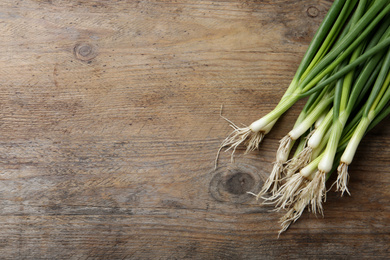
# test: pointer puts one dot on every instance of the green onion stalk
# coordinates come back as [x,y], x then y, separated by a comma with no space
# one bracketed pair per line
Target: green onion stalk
[311,191]
[307,187]
[345,76]
[311,177]
[343,88]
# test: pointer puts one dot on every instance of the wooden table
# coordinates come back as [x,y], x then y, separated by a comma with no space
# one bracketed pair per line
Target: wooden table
[110,125]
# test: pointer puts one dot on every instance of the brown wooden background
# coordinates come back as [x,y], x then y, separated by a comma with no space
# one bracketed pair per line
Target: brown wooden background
[109,125]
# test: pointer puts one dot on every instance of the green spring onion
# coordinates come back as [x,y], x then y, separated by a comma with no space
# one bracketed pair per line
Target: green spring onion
[345,73]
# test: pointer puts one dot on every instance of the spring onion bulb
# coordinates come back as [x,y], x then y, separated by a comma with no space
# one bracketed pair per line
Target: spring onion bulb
[303,124]
[345,76]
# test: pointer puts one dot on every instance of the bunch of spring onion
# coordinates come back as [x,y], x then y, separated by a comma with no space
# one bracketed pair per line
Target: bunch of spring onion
[346,79]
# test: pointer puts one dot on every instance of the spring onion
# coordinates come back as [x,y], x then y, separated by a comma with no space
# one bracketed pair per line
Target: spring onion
[345,76]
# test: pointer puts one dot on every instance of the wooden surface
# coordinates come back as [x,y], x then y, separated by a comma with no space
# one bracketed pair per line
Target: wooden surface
[110,124]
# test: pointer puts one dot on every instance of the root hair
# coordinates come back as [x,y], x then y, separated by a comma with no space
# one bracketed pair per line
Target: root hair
[342,178]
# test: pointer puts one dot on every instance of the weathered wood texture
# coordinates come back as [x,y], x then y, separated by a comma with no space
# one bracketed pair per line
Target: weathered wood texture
[110,124]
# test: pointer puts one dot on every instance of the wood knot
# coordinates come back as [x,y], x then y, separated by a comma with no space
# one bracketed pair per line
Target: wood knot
[232,184]
[85,51]
[239,183]
[312,11]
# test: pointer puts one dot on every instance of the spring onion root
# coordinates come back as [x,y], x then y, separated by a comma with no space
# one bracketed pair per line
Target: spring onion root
[345,76]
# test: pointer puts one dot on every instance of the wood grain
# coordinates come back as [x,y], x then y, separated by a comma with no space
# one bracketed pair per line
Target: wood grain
[110,124]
